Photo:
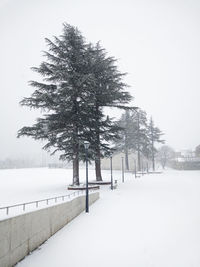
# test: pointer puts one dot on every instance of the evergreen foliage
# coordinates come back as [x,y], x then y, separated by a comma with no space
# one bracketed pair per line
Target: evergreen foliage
[133,135]
[139,136]
[79,80]
[127,135]
[107,90]
[154,134]
[65,81]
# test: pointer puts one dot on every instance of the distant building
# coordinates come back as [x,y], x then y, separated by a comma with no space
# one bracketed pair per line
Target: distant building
[186,156]
[186,160]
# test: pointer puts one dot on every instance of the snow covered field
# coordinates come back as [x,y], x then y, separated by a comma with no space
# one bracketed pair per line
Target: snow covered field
[150,221]
[24,185]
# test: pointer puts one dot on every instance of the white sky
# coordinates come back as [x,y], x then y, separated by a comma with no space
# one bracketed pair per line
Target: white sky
[156,42]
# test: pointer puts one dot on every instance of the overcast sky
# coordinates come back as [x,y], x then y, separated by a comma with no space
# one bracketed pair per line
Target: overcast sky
[156,42]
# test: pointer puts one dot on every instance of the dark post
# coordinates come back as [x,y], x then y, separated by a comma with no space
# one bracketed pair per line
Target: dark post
[86,145]
[122,170]
[111,175]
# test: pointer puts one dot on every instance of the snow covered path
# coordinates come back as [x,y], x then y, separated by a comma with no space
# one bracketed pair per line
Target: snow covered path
[152,221]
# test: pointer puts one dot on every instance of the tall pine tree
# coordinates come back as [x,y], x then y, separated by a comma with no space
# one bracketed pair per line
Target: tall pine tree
[128,135]
[133,134]
[79,80]
[107,90]
[64,84]
[154,134]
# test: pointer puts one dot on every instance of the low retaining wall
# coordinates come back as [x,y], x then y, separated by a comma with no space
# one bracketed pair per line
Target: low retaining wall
[22,234]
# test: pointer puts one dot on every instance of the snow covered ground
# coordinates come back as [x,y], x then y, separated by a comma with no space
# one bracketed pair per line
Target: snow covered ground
[18,186]
[150,221]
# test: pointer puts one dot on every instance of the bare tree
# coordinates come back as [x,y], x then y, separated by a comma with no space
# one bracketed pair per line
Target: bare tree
[165,154]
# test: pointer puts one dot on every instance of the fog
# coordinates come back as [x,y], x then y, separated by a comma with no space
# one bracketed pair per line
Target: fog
[156,42]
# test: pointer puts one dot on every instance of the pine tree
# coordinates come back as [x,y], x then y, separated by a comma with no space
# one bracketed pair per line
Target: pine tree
[138,136]
[127,138]
[154,134]
[79,80]
[133,134]
[141,138]
[107,90]
[64,84]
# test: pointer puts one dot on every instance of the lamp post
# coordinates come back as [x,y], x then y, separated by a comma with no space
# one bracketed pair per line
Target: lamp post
[86,145]
[111,174]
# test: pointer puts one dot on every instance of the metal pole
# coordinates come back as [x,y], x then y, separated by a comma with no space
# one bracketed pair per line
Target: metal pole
[122,170]
[111,175]
[87,196]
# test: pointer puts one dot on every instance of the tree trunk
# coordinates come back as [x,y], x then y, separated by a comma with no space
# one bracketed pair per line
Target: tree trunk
[139,161]
[138,141]
[76,165]
[126,159]
[98,170]
[98,152]
[153,156]
[98,166]
[126,141]
[75,146]
[153,162]
[147,166]
[152,146]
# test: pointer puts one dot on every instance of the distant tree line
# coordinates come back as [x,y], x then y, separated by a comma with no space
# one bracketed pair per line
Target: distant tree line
[10,163]
[138,135]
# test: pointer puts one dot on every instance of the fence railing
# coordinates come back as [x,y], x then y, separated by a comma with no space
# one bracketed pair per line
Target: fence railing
[46,200]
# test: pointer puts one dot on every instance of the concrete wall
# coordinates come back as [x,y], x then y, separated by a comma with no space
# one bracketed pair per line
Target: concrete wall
[22,234]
